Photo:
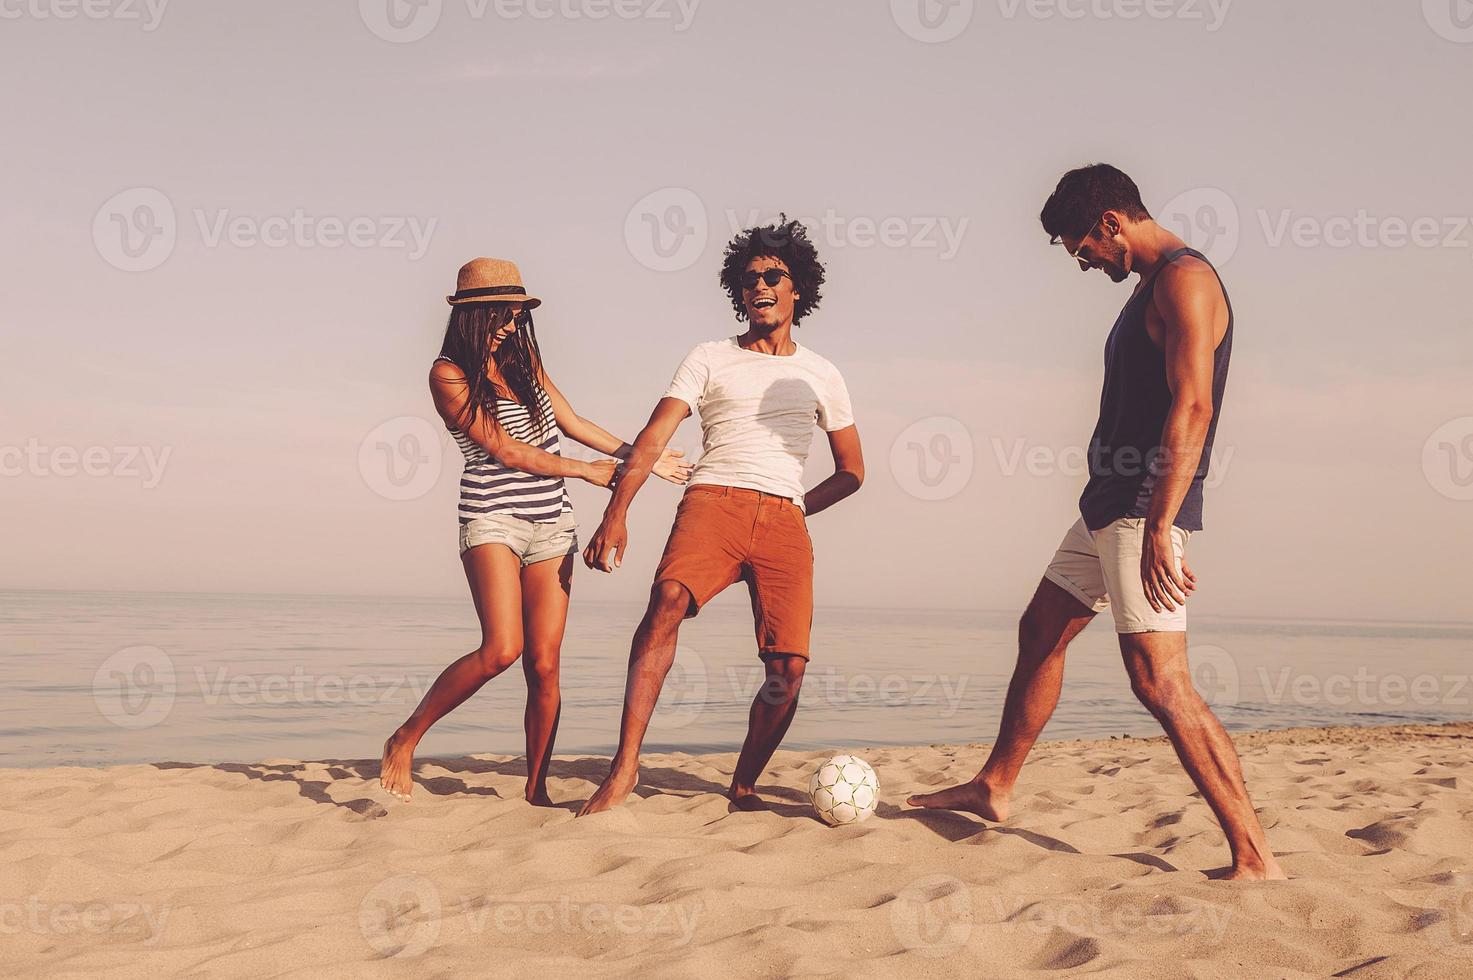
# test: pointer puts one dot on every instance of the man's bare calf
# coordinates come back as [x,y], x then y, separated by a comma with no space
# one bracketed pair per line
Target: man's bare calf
[650,657]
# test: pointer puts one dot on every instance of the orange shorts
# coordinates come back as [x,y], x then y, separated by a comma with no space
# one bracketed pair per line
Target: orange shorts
[724,535]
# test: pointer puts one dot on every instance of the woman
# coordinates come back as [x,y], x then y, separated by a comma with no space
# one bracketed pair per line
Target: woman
[517,533]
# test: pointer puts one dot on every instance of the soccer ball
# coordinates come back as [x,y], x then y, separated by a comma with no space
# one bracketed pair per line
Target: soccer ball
[844,790]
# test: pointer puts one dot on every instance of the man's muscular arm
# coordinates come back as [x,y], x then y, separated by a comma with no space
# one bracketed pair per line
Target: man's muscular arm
[1188,300]
[605,551]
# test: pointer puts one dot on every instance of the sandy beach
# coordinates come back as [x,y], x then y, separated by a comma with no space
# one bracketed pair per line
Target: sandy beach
[289,868]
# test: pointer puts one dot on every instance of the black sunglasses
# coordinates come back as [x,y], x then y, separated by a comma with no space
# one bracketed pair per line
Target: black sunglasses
[770,276]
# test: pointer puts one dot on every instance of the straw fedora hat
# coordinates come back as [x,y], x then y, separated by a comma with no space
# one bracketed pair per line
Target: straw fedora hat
[491,281]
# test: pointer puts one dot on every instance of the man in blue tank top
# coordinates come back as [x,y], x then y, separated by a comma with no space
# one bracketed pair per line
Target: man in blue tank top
[1166,367]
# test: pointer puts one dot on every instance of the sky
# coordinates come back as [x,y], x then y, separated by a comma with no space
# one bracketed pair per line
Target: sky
[229,229]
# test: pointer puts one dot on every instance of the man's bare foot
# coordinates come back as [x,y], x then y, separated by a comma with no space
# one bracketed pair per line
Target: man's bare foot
[614,791]
[396,772]
[539,797]
[746,800]
[972,797]
[1266,869]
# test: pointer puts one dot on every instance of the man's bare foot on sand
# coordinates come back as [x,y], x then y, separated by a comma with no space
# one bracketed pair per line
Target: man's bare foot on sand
[746,799]
[539,797]
[614,791]
[971,797]
[396,772]
[1257,869]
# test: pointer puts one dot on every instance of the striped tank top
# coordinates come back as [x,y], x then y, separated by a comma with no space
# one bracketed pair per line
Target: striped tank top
[488,487]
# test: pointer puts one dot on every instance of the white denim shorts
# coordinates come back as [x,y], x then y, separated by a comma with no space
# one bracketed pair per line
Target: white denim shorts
[1102,569]
[531,541]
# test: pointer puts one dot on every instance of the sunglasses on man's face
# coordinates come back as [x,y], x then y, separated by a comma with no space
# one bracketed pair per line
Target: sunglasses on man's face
[769,276]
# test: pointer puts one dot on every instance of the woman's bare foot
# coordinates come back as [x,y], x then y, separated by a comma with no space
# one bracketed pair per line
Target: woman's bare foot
[614,791]
[538,796]
[396,772]
[972,797]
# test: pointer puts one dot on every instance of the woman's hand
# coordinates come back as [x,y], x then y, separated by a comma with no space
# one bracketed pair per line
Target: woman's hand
[672,466]
[601,472]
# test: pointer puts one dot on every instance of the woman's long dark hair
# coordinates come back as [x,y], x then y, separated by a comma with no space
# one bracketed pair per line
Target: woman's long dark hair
[518,361]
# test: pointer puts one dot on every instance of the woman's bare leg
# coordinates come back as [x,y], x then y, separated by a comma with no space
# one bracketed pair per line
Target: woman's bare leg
[547,587]
[494,574]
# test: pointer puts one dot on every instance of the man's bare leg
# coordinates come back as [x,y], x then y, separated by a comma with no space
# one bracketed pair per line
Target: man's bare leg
[1053,618]
[650,657]
[772,712]
[1162,680]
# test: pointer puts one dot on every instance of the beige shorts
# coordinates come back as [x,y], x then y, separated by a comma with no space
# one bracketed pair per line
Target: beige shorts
[1102,569]
[531,541]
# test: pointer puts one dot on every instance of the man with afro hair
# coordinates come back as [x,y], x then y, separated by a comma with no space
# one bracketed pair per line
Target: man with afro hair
[744,514]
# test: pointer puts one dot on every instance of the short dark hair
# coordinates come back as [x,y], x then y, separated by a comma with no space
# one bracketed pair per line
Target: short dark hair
[786,241]
[1084,194]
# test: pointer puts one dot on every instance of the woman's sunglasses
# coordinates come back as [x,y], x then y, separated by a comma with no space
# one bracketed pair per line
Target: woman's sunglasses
[769,276]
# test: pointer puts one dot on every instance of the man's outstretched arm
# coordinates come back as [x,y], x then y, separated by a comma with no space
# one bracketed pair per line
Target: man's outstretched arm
[848,472]
[605,551]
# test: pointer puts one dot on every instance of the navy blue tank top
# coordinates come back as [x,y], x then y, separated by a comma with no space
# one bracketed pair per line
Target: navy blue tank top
[1125,450]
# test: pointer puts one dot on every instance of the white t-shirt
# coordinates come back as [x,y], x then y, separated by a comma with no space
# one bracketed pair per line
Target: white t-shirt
[757,413]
